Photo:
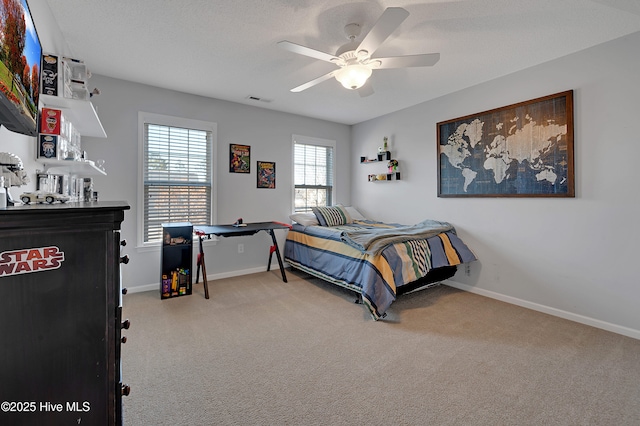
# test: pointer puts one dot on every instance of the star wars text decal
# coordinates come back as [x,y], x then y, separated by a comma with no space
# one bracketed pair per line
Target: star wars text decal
[24,261]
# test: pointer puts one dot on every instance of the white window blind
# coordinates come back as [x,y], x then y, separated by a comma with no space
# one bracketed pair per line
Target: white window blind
[177,177]
[313,176]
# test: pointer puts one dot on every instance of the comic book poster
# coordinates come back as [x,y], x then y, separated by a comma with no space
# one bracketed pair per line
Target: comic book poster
[266,174]
[239,158]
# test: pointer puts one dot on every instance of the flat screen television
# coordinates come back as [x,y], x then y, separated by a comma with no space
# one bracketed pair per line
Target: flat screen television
[20,59]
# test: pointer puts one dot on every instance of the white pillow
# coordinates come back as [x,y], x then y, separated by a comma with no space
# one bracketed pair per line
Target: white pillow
[304,219]
[355,214]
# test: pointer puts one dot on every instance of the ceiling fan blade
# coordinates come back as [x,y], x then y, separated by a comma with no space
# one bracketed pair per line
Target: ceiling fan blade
[306,51]
[390,19]
[314,82]
[366,90]
[425,60]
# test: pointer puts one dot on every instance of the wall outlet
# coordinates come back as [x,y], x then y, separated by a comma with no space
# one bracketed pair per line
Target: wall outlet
[467,270]
[240,248]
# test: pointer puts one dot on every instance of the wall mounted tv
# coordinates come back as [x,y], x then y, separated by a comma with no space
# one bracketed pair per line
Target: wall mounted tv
[20,58]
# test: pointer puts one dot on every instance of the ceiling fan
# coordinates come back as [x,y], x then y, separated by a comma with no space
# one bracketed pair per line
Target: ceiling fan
[354,59]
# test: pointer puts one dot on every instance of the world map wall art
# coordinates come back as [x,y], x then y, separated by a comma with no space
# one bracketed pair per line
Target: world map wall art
[520,150]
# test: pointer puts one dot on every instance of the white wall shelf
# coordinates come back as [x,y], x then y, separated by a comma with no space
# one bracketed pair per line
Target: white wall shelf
[81,113]
[387,177]
[382,156]
[64,167]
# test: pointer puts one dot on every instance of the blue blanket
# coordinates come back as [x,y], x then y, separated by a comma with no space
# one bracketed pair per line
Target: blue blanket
[374,240]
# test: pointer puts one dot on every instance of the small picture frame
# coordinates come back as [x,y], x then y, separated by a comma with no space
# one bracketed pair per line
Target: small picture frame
[239,158]
[48,147]
[266,174]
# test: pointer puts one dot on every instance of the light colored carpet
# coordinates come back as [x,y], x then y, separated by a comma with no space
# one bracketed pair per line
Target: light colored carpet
[265,352]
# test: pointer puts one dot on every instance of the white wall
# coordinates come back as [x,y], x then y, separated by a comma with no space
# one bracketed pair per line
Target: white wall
[569,257]
[268,133]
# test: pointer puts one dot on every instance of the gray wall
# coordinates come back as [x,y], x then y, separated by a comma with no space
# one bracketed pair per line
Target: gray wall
[268,133]
[568,257]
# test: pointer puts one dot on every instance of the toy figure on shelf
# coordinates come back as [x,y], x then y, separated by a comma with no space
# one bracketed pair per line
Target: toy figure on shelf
[11,169]
[385,146]
[393,166]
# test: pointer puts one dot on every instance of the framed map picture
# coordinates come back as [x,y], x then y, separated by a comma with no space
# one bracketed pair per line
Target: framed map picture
[520,150]
[239,158]
[266,174]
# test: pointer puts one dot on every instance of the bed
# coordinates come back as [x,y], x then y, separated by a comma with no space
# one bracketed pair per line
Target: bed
[378,261]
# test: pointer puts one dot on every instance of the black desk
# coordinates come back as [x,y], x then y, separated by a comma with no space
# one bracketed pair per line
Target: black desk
[237,231]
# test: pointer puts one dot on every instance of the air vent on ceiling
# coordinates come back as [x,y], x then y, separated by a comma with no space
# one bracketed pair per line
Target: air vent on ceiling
[257,99]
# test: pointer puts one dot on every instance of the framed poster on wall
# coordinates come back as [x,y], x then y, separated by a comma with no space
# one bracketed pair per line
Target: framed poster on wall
[520,150]
[266,174]
[239,158]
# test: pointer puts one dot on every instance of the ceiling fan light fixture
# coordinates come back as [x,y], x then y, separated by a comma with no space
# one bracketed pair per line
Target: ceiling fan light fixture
[354,59]
[362,54]
[353,76]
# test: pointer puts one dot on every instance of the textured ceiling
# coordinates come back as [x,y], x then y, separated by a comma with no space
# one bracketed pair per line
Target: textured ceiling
[226,49]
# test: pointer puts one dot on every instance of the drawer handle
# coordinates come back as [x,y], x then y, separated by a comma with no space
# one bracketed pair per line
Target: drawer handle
[126,324]
[124,259]
[126,390]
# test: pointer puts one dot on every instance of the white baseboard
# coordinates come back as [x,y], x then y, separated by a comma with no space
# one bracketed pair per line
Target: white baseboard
[210,277]
[143,288]
[614,328]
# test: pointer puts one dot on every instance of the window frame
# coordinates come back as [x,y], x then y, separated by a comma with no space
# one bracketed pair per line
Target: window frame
[309,140]
[172,121]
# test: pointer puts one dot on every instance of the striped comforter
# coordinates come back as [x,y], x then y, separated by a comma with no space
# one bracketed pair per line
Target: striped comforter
[320,251]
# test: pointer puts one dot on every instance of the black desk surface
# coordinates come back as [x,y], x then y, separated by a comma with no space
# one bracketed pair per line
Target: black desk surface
[234,231]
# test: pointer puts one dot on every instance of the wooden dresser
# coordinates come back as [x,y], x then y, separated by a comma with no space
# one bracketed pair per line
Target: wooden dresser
[61,314]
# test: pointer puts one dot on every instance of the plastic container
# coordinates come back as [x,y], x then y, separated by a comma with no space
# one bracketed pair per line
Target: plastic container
[3,194]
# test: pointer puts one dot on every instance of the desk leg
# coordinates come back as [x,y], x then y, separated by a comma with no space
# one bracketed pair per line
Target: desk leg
[203,268]
[198,260]
[274,248]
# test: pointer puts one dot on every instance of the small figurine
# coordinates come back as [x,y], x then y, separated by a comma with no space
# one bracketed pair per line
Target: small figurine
[385,146]
[393,166]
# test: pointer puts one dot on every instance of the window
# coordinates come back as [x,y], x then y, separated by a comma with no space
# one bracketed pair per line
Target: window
[313,172]
[177,173]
